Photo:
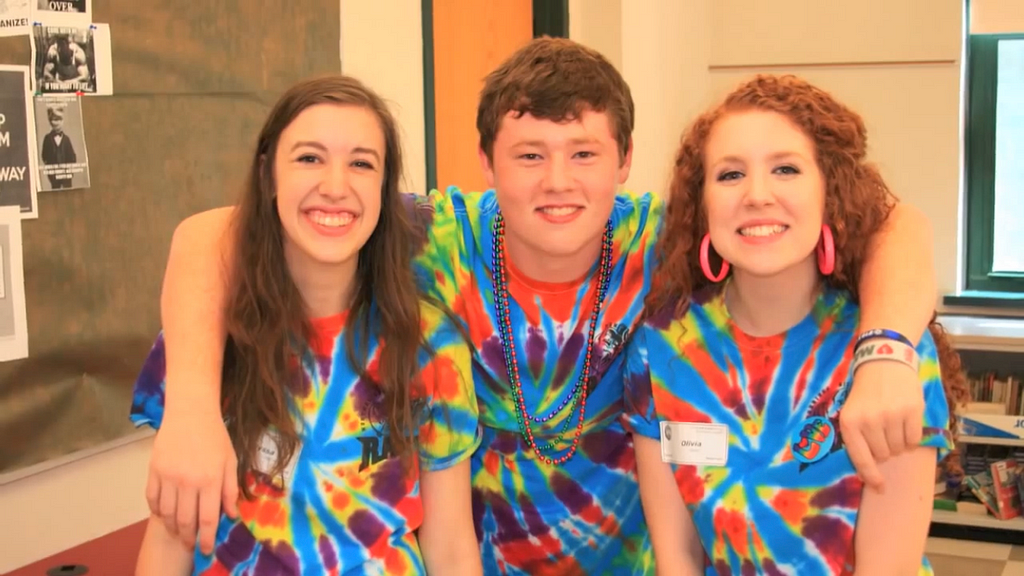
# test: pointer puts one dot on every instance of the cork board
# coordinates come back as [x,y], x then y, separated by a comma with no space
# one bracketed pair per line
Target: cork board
[192,84]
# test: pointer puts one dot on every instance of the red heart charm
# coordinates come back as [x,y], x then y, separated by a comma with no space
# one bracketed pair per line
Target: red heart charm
[885,349]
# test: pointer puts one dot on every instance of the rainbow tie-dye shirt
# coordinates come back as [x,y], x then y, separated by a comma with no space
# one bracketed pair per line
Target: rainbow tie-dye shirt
[765,511]
[345,505]
[583,516]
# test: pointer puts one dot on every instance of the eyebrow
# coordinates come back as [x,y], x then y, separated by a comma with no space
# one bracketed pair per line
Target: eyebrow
[321,147]
[774,157]
[578,140]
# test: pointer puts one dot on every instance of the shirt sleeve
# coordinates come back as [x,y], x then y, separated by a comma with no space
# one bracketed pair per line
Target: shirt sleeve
[937,433]
[438,255]
[148,393]
[639,413]
[450,430]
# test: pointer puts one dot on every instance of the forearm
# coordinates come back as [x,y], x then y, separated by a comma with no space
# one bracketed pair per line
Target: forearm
[897,285]
[192,310]
[892,526]
[162,554]
[677,548]
[451,552]
[447,537]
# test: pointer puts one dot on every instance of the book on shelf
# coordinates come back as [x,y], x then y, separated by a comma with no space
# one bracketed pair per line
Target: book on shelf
[998,489]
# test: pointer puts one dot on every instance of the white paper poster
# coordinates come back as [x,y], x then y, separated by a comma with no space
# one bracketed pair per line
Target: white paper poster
[62,12]
[71,59]
[17,142]
[15,17]
[60,143]
[13,317]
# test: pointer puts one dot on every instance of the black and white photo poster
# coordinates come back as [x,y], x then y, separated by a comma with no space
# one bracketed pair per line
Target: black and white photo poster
[13,317]
[60,139]
[71,59]
[17,142]
[14,17]
[62,12]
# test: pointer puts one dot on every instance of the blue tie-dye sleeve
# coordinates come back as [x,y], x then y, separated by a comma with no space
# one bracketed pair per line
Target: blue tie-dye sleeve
[937,432]
[639,414]
[148,392]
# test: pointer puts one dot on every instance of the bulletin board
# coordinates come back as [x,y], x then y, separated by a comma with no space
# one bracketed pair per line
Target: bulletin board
[192,83]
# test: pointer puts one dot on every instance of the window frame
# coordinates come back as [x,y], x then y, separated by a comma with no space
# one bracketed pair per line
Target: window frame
[979,155]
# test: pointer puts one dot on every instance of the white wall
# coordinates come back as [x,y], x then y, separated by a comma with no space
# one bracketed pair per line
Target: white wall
[895,62]
[65,505]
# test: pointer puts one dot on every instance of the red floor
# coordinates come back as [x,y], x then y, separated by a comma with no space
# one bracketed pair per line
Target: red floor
[110,555]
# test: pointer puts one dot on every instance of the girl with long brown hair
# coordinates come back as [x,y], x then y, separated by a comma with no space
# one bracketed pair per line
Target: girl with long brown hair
[734,393]
[348,400]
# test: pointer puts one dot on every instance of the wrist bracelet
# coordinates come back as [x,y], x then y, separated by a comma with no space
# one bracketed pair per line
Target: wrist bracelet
[882,333]
[888,350]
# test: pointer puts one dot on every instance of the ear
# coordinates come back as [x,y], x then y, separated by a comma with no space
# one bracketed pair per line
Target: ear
[487,167]
[627,163]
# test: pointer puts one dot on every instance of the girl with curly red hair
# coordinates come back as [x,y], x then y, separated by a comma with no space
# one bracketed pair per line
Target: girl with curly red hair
[734,393]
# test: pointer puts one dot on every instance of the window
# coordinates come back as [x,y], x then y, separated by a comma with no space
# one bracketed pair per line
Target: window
[995,161]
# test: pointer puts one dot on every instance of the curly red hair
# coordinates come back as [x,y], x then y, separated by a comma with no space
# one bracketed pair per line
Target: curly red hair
[857,199]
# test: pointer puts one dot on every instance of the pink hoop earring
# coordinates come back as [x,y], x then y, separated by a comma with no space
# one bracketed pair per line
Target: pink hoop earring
[705,265]
[826,251]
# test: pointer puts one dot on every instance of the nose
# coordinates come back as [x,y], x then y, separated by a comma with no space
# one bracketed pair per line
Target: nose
[335,182]
[758,190]
[557,176]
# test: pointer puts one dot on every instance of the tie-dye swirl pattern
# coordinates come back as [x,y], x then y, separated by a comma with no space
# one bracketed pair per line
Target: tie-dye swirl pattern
[349,506]
[764,512]
[584,516]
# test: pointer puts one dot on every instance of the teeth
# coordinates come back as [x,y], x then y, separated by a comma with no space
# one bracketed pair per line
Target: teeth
[331,220]
[559,210]
[763,230]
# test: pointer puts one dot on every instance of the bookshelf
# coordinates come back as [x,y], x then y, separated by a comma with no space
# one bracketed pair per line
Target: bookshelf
[996,345]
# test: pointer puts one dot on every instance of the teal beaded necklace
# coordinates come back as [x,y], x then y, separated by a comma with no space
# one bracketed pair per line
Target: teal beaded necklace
[578,395]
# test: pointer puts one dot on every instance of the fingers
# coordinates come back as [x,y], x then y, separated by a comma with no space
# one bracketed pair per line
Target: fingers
[209,516]
[230,488]
[168,509]
[863,461]
[153,492]
[188,501]
[913,430]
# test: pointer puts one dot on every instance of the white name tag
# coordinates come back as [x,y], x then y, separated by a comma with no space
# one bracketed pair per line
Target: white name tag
[692,443]
[266,455]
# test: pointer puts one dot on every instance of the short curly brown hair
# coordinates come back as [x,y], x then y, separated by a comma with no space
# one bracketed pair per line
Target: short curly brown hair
[857,199]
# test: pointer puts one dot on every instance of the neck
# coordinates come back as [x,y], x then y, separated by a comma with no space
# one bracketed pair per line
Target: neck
[769,305]
[326,289]
[552,268]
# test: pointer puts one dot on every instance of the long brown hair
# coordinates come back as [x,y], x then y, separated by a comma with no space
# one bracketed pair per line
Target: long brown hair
[268,325]
[857,199]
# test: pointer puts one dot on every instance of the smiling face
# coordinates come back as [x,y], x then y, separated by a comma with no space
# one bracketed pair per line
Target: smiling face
[763,191]
[328,173]
[556,184]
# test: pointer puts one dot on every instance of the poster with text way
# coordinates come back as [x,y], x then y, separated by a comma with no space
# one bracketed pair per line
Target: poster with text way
[17,142]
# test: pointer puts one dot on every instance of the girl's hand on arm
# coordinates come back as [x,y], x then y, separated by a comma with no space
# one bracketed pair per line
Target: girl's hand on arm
[447,536]
[882,416]
[192,467]
[677,547]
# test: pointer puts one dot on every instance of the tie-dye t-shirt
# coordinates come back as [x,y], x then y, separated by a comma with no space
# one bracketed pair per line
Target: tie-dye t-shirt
[765,511]
[582,516]
[345,505]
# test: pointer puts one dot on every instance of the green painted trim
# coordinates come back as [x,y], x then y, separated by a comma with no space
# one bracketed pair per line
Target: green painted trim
[996,300]
[980,155]
[429,119]
[551,18]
